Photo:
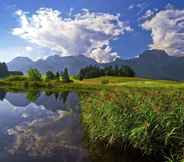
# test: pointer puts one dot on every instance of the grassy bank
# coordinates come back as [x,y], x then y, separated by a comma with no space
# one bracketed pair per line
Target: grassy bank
[100,83]
[148,119]
[54,85]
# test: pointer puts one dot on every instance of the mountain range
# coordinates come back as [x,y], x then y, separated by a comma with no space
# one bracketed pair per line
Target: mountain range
[53,63]
[153,64]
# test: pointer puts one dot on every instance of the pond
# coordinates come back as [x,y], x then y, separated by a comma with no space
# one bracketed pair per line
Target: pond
[38,126]
[45,127]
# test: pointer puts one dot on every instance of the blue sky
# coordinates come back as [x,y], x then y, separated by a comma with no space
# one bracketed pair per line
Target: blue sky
[129,44]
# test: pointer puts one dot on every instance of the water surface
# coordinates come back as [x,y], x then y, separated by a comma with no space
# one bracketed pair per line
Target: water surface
[41,127]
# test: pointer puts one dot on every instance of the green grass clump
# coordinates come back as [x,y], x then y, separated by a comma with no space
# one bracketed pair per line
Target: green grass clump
[151,120]
[105,81]
[16,78]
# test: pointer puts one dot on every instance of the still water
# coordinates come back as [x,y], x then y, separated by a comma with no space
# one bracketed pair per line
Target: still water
[45,127]
[41,127]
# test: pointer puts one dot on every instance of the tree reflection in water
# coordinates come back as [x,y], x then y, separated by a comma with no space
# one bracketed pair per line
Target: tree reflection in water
[50,129]
[32,95]
[2,94]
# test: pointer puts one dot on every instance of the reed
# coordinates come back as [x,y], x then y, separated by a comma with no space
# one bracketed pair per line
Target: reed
[151,120]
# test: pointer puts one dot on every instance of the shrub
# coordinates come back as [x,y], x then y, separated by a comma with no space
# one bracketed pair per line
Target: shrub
[105,81]
[16,78]
[15,73]
[34,75]
[76,77]
[35,84]
[26,84]
[50,85]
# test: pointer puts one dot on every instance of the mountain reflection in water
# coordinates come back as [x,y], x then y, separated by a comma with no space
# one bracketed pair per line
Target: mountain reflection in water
[40,126]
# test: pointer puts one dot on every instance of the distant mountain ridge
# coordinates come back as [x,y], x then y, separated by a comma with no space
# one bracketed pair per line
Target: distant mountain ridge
[54,63]
[154,64]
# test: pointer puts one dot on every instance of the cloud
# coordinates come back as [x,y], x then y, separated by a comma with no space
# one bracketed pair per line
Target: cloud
[103,55]
[148,14]
[169,6]
[167,31]
[139,7]
[131,7]
[86,33]
[28,49]
[136,6]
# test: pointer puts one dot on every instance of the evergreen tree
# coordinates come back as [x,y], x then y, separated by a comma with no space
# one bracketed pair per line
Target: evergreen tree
[50,75]
[57,76]
[3,70]
[116,71]
[129,71]
[95,71]
[81,74]
[65,76]
[2,94]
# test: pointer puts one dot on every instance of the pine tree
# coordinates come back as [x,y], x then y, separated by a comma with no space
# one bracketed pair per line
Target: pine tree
[50,75]
[3,70]
[65,76]
[96,71]
[57,76]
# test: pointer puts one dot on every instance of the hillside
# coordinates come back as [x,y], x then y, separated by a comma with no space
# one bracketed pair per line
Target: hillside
[155,64]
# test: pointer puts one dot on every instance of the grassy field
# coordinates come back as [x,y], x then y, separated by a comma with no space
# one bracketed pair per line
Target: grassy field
[144,114]
[131,112]
[133,82]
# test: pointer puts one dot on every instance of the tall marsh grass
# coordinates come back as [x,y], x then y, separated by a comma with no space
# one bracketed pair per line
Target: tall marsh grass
[151,120]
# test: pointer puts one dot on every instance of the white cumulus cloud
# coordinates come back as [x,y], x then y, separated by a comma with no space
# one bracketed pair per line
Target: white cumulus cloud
[86,33]
[167,31]
[103,55]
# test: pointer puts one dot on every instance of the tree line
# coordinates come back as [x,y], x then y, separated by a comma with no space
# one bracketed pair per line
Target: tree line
[85,73]
[35,75]
[96,71]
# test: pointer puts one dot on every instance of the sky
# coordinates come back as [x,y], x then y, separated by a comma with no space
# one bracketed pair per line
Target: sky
[100,29]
